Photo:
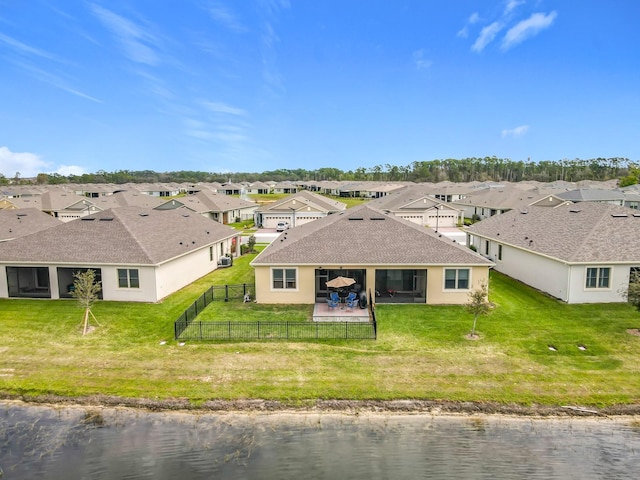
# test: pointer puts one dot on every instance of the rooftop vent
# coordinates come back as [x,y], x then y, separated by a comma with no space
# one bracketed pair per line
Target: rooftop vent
[107,219]
[356,218]
[575,210]
[87,219]
[619,215]
[376,218]
[21,214]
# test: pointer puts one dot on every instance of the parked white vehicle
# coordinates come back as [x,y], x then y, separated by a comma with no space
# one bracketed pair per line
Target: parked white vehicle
[282,226]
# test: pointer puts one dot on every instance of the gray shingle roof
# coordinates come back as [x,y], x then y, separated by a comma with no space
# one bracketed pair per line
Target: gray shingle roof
[365,236]
[306,198]
[585,232]
[124,235]
[24,221]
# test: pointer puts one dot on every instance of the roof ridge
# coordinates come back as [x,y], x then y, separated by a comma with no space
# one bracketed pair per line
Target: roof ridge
[125,225]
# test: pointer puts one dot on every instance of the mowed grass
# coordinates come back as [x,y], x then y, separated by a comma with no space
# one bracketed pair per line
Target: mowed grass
[421,352]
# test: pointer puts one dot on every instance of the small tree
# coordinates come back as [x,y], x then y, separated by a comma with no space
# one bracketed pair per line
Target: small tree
[478,305]
[251,242]
[86,289]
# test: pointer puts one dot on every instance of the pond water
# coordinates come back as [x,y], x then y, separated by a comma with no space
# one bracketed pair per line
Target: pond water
[77,443]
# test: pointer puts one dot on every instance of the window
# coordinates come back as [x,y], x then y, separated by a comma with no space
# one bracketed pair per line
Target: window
[128,278]
[211,254]
[486,247]
[499,252]
[598,277]
[284,278]
[456,279]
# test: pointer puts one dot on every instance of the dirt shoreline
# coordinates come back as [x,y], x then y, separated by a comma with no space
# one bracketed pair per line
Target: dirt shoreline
[351,407]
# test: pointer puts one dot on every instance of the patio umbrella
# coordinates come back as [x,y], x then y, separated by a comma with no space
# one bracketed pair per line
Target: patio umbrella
[340,282]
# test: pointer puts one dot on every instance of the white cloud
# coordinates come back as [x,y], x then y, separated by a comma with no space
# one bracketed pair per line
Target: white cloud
[511,5]
[66,170]
[420,62]
[27,164]
[25,49]
[487,34]
[219,107]
[138,43]
[225,17]
[515,132]
[527,28]
[464,31]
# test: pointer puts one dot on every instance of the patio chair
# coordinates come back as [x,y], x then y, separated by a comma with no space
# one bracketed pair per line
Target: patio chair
[352,300]
[333,302]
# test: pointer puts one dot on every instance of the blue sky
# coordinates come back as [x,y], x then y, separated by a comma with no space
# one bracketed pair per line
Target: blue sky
[256,85]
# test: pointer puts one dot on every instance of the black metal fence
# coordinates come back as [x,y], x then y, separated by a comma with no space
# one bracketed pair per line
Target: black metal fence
[270,330]
[187,328]
[214,293]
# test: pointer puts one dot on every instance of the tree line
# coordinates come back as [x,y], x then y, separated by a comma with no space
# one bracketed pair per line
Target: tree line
[454,170]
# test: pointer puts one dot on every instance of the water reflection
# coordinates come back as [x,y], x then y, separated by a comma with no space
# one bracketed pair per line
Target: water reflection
[69,443]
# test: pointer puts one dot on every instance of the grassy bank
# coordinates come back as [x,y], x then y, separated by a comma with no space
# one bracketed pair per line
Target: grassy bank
[421,352]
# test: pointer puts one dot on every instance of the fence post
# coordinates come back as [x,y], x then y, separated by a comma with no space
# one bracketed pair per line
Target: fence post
[346,329]
[226,292]
[258,329]
[200,330]
[229,328]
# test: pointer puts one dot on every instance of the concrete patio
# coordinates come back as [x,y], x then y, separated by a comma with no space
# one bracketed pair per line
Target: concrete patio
[341,313]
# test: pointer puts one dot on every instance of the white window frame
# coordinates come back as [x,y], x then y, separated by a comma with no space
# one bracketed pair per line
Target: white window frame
[598,278]
[284,279]
[457,279]
[128,272]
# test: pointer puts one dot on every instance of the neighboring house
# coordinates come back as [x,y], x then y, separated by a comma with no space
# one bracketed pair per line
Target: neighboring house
[613,197]
[215,206]
[258,188]
[159,189]
[413,203]
[497,200]
[298,209]
[139,255]
[15,223]
[128,198]
[230,189]
[67,206]
[578,253]
[285,188]
[393,259]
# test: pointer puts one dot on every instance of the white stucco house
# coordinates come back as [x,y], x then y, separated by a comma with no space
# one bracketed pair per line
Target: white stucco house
[578,253]
[139,255]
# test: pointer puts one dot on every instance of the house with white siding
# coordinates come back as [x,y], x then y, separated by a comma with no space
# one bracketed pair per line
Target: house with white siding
[139,255]
[578,253]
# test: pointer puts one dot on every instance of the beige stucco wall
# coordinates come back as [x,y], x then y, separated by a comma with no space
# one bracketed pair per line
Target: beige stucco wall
[436,293]
[305,291]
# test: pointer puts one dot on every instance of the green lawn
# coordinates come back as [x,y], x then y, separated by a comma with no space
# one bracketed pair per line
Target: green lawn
[421,352]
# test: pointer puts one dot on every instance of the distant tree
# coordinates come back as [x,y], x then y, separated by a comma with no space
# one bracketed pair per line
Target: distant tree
[3,180]
[478,305]
[42,179]
[86,289]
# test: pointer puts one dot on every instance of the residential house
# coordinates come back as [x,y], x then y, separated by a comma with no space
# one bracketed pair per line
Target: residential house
[578,253]
[139,255]
[391,258]
[215,206]
[285,188]
[613,197]
[259,188]
[297,209]
[66,205]
[413,203]
[497,200]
